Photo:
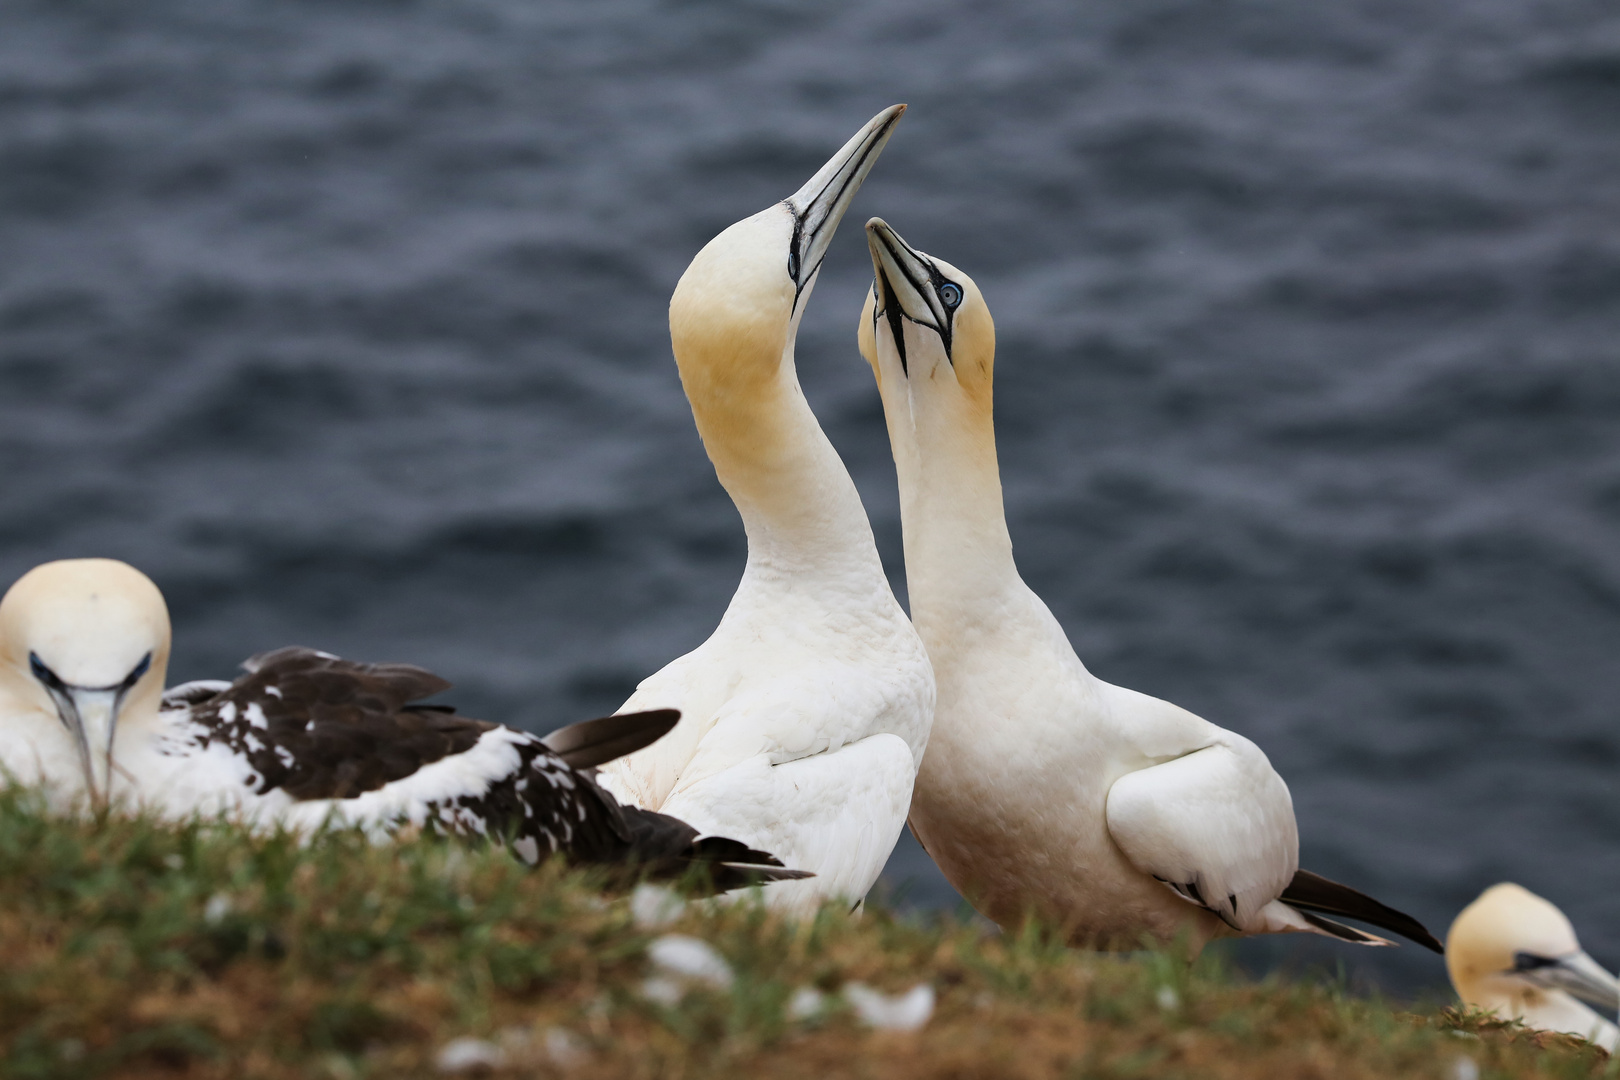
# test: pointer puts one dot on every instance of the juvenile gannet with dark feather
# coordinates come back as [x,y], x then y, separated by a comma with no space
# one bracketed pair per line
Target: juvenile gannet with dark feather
[305,738]
[1047,791]
[805,714]
[1514,954]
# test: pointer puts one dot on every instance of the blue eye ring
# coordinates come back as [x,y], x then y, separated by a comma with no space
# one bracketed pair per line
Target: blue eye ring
[793,265]
[950,294]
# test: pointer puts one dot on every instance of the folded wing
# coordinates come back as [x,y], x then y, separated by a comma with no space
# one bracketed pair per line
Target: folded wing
[1216,825]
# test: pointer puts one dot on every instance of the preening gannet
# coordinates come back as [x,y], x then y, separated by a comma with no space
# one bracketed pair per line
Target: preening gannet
[805,714]
[305,737]
[1047,791]
[1514,954]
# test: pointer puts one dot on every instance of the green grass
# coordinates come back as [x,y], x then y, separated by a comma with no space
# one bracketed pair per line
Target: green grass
[129,949]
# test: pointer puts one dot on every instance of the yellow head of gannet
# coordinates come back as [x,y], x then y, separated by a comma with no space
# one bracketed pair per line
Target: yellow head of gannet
[735,312]
[936,313]
[82,642]
[1516,955]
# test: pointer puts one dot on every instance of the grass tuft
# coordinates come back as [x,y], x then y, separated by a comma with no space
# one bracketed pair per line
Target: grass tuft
[137,949]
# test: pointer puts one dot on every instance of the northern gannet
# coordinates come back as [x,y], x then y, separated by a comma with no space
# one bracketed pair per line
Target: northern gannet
[1514,954]
[305,737]
[805,714]
[1047,791]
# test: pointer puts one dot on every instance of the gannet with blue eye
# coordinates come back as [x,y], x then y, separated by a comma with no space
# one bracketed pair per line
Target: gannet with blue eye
[1514,954]
[1047,791]
[805,714]
[305,737]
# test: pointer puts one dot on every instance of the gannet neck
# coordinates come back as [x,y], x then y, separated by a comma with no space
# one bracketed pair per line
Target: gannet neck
[84,648]
[953,519]
[733,320]
[934,375]
[797,501]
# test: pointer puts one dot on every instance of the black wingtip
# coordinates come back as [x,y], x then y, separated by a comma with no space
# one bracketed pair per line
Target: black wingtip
[596,742]
[725,849]
[1314,893]
[732,864]
[723,877]
[1341,931]
[666,848]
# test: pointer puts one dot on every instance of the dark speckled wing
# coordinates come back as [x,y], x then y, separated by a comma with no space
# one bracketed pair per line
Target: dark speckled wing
[319,727]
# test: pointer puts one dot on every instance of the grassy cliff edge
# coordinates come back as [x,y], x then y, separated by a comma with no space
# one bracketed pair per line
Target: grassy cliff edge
[136,949]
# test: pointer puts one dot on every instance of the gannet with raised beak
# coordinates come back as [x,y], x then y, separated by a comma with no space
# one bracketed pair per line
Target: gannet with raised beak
[1047,791]
[1514,954]
[805,714]
[305,738]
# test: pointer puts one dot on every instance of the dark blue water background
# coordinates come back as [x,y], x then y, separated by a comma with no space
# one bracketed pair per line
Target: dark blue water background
[345,321]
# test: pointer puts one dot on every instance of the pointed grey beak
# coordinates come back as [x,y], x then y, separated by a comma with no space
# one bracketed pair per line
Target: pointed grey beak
[90,714]
[91,718]
[819,206]
[907,284]
[1576,973]
[97,712]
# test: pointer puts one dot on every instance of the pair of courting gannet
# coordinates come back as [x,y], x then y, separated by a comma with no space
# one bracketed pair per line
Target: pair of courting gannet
[805,715]
[1514,954]
[305,738]
[1046,790]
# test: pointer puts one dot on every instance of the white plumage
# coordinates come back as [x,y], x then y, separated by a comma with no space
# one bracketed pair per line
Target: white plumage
[805,714]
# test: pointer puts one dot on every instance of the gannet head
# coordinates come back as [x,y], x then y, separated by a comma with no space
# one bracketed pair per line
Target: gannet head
[83,641]
[1510,948]
[925,321]
[735,310]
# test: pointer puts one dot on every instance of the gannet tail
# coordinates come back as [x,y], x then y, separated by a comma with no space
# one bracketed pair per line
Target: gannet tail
[667,847]
[1314,896]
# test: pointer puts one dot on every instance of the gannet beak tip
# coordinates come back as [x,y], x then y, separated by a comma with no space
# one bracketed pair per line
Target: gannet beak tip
[885,119]
[819,205]
[906,274]
[837,181]
[874,246]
